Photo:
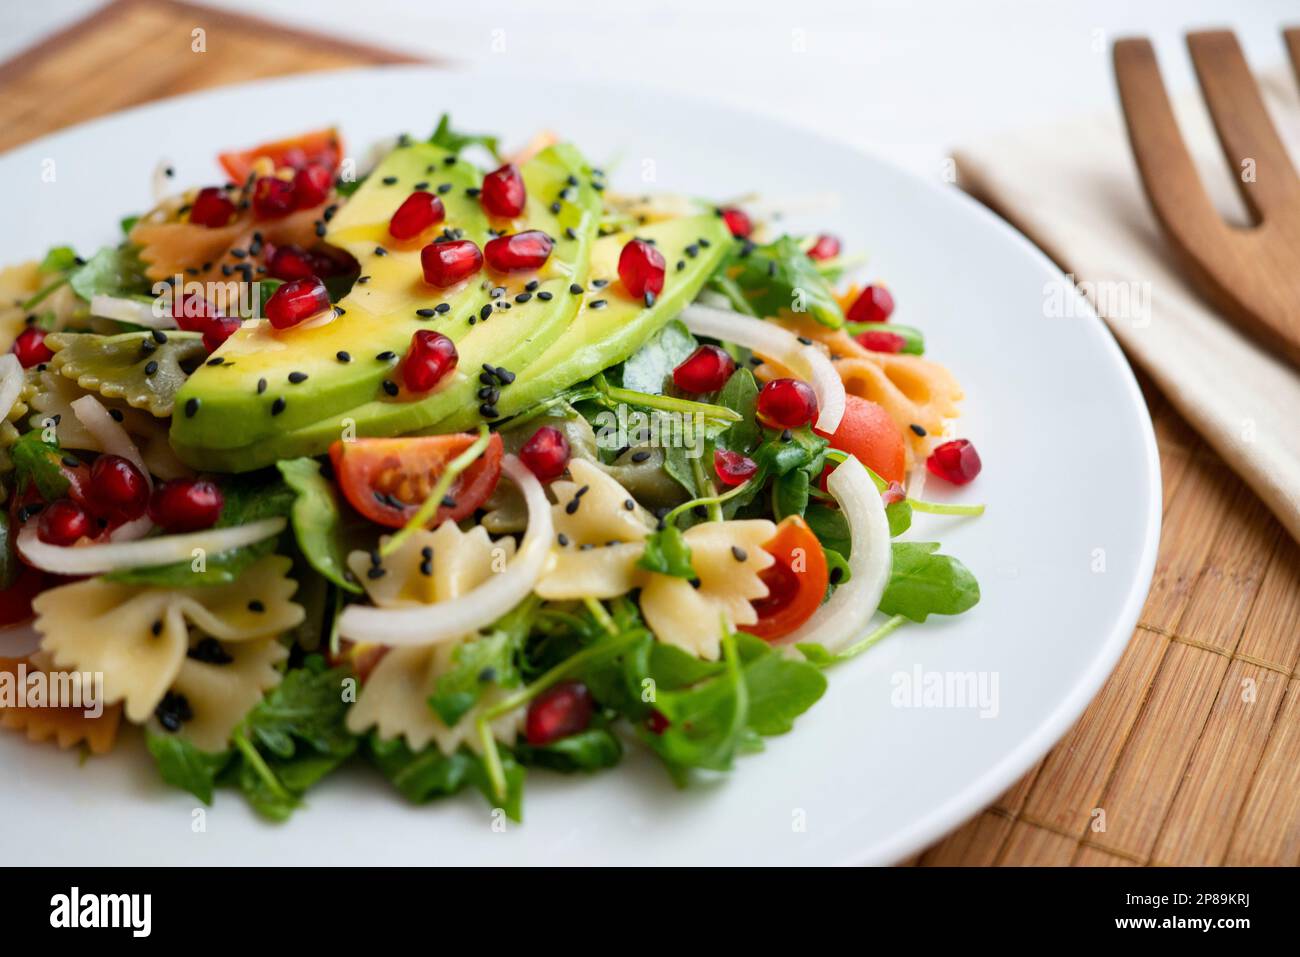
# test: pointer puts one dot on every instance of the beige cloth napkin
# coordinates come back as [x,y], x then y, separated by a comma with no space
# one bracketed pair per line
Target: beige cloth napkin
[1074,190]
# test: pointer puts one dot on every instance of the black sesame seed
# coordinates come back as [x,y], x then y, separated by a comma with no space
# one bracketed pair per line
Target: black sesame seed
[421,185]
[215,361]
[599,283]
[381,251]
[278,405]
[562,539]
[485,311]
[115,413]
[504,374]
[575,289]
[297,377]
[640,456]
[598,304]
[544,296]
[649,299]
[191,406]
[159,336]
[569,233]
[151,367]
[444,188]
[442,308]
[389,180]
[919,430]
[629,504]
[425,313]
[376,572]
[572,507]
[738,553]
[343,356]
[261,386]
[692,250]
[390,387]
[209,651]
[72,462]
[156,627]
[786,435]
[556,207]
[681,264]
[805,340]
[488,411]
[426,569]
[386,356]
[523,297]
[472,192]
[362,280]
[836,575]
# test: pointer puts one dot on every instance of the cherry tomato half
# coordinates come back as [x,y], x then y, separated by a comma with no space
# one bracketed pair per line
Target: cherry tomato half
[868,433]
[320,148]
[387,480]
[796,581]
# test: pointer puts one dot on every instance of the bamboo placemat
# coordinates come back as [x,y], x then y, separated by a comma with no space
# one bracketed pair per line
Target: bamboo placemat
[1191,752]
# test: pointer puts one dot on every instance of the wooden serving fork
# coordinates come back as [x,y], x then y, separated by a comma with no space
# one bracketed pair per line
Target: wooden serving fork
[1251,274]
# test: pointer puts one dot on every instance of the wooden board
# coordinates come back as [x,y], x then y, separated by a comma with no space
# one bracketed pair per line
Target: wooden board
[1191,752]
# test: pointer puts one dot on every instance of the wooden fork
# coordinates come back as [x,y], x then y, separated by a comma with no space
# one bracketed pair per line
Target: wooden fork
[1251,274]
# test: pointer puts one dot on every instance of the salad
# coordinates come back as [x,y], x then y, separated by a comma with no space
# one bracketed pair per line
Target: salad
[463,465]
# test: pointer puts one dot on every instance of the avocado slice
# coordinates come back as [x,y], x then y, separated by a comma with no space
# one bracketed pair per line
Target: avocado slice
[240,424]
[598,338]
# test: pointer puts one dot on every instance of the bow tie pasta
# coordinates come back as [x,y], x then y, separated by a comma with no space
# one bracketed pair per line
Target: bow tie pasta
[429,567]
[141,638]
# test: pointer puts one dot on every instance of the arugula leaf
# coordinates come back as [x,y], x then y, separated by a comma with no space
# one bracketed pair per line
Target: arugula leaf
[779,277]
[779,688]
[40,463]
[804,449]
[483,662]
[830,526]
[317,521]
[294,737]
[705,721]
[113,271]
[924,583]
[184,766]
[589,750]
[899,515]
[248,498]
[513,805]
[128,223]
[59,260]
[454,141]
[648,369]
[740,393]
[837,569]
[667,553]
[790,495]
[420,776]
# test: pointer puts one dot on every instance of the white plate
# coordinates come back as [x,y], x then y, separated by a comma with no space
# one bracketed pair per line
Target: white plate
[1071,479]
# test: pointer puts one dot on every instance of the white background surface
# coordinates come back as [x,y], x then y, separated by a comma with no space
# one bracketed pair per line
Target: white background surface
[908,80]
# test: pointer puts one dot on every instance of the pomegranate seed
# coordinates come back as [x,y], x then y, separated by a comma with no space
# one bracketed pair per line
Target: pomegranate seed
[705,370]
[826,247]
[117,488]
[738,222]
[527,250]
[186,505]
[658,722]
[955,461]
[332,261]
[732,467]
[878,340]
[297,301]
[63,522]
[291,262]
[192,312]
[430,357]
[558,712]
[311,186]
[417,213]
[641,267]
[218,330]
[212,208]
[30,347]
[503,192]
[788,403]
[874,304]
[446,264]
[546,453]
[273,198]
[893,493]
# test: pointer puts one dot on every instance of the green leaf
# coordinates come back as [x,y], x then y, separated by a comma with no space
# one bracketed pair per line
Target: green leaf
[40,463]
[184,766]
[899,515]
[740,393]
[667,553]
[706,722]
[791,494]
[925,583]
[58,260]
[513,805]
[317,521]
[250,497]
[913,340]
[128,223]
[837,568]
[649,368]
[113,271]
[454,141]
[589,750]
[779,689]
[779,277]
[476,666]
[420,776]
[306,708]
[804,449]
[830,526]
